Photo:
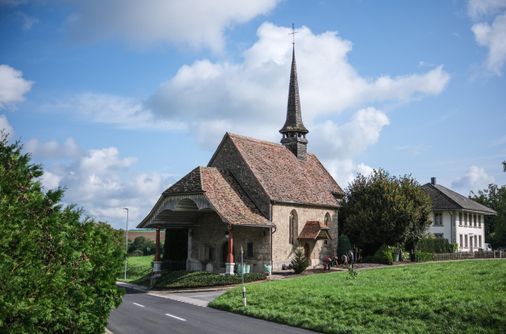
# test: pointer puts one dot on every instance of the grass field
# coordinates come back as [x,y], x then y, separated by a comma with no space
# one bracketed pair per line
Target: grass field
[138,267]
[450,297]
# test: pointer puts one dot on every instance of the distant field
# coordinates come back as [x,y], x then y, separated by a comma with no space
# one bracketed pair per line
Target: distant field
[138,266]
[449,297]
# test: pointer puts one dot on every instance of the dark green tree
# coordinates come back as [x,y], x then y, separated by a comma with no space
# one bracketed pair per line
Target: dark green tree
[495,226]
[383,209]
[299,262]
[57,270]
[343,245]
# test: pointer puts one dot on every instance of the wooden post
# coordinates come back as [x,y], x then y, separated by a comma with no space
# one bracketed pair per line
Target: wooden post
[157,247]
[230,258]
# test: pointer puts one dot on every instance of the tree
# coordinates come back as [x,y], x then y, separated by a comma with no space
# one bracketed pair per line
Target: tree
[381,209]
[495,226]
[299,262]
[57,270]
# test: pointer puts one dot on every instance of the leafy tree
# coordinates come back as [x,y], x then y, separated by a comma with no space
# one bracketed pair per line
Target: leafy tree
[57,271]
[343,245]
[141,246]
[495,226]
[382,209]
[299,262]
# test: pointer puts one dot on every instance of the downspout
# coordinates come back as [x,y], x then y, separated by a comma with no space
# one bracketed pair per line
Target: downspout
[270,234]
[451,227]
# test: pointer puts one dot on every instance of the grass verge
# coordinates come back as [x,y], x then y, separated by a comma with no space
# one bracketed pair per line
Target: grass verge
[451,297]
[138,267]
[199,279]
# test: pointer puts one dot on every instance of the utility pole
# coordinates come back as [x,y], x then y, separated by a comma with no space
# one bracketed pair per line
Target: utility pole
[242,277]
[126,242]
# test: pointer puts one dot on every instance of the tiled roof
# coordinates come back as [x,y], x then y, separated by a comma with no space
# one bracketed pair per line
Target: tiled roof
[313,229]
[224,194]
[284,177]
[446,199]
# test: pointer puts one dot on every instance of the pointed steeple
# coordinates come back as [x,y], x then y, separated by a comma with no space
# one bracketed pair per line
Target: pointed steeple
[294,132]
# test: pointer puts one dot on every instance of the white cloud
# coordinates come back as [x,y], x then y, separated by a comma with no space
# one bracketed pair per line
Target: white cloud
[479,8]
[475,179]
[53,149]
[5,126]
[103,183]
[493,36]
[195,23]
[12,86]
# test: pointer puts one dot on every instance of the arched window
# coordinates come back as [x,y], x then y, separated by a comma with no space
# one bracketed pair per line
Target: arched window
[327,219]
[293,228]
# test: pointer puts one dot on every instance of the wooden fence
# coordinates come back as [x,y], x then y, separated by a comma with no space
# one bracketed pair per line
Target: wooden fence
[470,255]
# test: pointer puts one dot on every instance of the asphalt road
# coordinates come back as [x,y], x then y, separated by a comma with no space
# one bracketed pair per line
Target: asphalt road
[143,313]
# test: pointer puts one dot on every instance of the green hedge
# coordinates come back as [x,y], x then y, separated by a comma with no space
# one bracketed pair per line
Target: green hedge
[423,256]
[384,255]
[435,245]
[184,279]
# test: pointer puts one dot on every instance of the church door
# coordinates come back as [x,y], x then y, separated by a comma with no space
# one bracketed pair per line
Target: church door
[307,251]
[176,249]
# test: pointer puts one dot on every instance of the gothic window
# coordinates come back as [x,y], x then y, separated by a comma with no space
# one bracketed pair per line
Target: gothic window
[293,228]
[327,219]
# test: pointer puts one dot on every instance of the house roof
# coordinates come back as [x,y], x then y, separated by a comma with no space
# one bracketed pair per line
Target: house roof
[446,199]
[224,194]
[314,230]
[283,176]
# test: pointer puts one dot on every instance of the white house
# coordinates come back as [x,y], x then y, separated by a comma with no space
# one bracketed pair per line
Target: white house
[457,218]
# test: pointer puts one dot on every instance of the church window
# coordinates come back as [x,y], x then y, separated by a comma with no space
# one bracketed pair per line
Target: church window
[292,228]
[327,219]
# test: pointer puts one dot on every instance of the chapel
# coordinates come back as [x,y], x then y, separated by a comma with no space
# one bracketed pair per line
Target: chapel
[265,198]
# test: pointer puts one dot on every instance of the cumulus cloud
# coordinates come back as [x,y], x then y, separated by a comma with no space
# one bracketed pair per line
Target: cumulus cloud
[5,126]
[103,183]
[475,179]
[53,149]
[191,22]
[13,86]
[490,33]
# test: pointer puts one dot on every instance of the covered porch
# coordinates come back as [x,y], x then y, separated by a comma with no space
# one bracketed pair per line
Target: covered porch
[205,230]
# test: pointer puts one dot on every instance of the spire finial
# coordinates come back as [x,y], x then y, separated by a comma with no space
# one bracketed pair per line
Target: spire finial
[293,35]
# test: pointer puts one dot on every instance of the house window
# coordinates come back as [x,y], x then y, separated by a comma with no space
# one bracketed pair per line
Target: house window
[327,219]
[479,221]
[438,235]
[292,227]
[474,220]
[461,243]
[249,249]
[475,241]
[465,240]
[479,239]
[460,220]
[465,219]
[438,219]
[471,241]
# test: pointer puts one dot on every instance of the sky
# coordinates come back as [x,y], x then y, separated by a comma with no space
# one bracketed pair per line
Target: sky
[118,99]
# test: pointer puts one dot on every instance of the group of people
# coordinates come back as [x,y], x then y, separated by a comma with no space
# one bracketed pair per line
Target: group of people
[345,260]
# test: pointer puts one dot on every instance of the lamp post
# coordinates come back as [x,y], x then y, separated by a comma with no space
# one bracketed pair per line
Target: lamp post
[126,242]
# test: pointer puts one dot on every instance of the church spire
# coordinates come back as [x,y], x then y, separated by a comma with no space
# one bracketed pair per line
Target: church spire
[294,132]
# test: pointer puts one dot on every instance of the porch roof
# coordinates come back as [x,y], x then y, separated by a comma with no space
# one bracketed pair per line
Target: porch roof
[205,189]
[314,230]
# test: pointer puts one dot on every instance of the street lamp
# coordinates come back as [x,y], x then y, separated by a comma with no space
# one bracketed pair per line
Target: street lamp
[126,242]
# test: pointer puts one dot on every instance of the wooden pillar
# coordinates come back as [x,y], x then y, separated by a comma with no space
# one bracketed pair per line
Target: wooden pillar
[230,257]
[157,247]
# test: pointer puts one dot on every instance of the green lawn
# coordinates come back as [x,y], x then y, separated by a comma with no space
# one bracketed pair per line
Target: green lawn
[138,267]
[449,297]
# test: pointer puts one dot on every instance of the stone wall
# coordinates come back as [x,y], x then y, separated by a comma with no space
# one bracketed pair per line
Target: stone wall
[207,244]
[282,250]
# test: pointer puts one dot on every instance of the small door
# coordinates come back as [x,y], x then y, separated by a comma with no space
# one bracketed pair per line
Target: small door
[307,251]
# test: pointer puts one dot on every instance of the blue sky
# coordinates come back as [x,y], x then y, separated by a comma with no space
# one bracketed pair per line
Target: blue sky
[119,99]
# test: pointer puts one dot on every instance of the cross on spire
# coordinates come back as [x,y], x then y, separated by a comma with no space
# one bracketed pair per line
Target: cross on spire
[293,34]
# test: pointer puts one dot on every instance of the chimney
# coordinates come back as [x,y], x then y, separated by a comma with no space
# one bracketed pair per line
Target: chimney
[433,180]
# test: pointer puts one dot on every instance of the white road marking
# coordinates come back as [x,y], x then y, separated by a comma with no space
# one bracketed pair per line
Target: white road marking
[138,305]
[173,316]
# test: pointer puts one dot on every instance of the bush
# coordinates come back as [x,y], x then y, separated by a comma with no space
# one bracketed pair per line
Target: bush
[423,256]
[434,245]
[384,255]
[343,245]
[136,252]
[299,263]
[143,246]
[57,271]
[184,279]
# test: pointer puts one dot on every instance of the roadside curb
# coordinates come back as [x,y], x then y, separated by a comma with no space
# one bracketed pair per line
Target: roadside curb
[132,286]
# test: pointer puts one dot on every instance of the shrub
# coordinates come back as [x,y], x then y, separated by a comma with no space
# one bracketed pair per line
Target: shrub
[57,270]
[434,245]
[136,252]
[184,279]
[384,255]
[343,245]
[142,245]
[423,256]
[299,262]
